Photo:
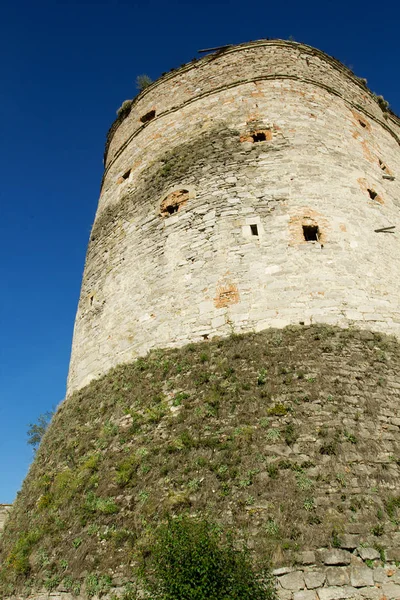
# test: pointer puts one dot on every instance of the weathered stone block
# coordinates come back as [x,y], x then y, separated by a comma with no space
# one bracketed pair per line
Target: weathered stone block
[314,579]
[371,593]
[337,593]
[305,595]
[349,541]
[338,576]
[306,558]
[393,554]
[368,553]
[380,575]
[361,576]
[391,591]
[337,557]
[292,581]
[284,594]
[282,571]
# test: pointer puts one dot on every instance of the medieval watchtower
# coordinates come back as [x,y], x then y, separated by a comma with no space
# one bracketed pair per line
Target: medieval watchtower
[250,189]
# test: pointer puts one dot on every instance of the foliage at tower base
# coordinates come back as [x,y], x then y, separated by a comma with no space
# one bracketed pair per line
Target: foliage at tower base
[289,438]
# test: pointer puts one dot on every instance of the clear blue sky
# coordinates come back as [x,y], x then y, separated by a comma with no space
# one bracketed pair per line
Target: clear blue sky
[65,69]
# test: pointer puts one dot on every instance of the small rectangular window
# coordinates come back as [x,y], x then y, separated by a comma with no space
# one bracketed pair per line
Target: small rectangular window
[148,116]
[254,229]
[311,233]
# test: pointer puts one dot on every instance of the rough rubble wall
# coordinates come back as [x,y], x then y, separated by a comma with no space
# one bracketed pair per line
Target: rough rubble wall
[4,508]
[154,279]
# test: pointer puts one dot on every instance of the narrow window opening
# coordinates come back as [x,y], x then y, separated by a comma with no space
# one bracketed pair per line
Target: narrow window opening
[372,194]
[254,229]
[126,175]
[91,298]
[382,165]
[362,123]
[259,136]
[148,116]
[311,233]
[172,208]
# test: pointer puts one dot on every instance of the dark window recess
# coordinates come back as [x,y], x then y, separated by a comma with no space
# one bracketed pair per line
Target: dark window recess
[174,202]
[311,233]
[362,123]
[148,116]
[372,194]
[382,165]
[254,229]
[126,175]
[259,136]
[91,298]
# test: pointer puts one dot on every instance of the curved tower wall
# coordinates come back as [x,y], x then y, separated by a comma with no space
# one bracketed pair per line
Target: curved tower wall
[212,184]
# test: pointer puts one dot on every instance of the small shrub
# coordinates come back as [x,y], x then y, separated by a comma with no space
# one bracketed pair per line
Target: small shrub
[191,559]
[262,377]
[18,559]
[278,410]
[378,529]
[37,430]
[124,109]
[273,435]
[329,448]
[72,585]
[143,81]
[303,482]
[126,470]
[97,585]
[272,471]
[392,507]
[336,541]
[290,434]
[350,437]
[272,528]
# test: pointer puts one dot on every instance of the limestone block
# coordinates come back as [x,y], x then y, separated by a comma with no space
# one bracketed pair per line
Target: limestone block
[361,576]
[380,575]
[393,555]
[292,581]
[306,558]
[314,579]
[337,557]
[284,594]
[371,593]
[349,541]
[305,595]
[391,591]
[282,571]
[338,576]
[337,593]
[368,553]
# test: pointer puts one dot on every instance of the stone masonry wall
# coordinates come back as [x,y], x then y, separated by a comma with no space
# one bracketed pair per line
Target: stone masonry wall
[323,575]
[200,225]
[4,508]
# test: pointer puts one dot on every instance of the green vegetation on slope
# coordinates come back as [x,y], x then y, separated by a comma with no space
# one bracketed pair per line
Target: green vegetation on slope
[285,437]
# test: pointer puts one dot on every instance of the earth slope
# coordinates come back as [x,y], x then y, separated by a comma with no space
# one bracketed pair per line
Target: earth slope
[289,437]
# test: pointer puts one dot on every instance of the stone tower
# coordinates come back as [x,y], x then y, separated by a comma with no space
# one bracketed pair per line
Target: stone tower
[250,189]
